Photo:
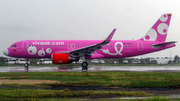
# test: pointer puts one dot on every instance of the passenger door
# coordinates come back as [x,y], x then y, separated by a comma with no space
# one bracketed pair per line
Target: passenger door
[24,46]
[140,46]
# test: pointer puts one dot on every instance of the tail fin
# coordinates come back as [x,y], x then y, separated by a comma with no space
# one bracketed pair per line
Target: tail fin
[158,31]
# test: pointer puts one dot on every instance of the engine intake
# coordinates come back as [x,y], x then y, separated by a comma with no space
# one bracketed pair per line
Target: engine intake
[62,58]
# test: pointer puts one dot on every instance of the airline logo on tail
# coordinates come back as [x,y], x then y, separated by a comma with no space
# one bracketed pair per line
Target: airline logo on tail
[159,30]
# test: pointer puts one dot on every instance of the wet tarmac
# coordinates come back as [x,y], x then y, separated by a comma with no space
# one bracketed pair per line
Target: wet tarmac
[97,68]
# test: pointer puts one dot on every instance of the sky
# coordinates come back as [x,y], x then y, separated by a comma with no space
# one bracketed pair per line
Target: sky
[86,20]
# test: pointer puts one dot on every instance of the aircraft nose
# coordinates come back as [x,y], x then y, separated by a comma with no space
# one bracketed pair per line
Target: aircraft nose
[6,52]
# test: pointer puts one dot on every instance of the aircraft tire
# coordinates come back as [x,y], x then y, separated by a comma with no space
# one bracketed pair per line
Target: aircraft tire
[26,64]
[84,64]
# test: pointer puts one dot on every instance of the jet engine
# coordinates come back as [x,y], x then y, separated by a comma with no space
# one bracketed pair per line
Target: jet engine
[62,58]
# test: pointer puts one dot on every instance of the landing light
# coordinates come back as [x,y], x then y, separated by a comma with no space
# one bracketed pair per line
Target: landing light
[14,49]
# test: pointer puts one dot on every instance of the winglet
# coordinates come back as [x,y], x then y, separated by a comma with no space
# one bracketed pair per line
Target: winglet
[108,39]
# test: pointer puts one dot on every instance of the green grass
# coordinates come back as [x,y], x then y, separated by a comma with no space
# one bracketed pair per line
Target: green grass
[118,79]
[115,79]
[66,93]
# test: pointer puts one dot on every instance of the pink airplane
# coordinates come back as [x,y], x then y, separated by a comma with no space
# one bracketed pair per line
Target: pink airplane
[67,51]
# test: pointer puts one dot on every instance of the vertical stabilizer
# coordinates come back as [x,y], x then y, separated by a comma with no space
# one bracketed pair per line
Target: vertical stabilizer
[158,31]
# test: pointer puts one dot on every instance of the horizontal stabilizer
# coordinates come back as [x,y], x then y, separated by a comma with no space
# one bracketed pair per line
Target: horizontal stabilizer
[163,44]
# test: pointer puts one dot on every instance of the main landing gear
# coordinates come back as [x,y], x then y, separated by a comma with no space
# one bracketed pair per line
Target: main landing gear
[84,65]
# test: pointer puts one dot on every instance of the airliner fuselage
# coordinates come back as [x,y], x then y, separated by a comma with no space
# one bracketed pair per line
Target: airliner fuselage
[67,51]
[114,49]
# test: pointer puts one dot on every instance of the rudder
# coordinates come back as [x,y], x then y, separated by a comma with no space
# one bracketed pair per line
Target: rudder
[158,31]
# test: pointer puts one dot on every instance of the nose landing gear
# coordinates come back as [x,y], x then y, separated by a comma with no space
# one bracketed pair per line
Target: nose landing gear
[26,65]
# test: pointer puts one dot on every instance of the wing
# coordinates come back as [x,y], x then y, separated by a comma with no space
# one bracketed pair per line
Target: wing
[87,50]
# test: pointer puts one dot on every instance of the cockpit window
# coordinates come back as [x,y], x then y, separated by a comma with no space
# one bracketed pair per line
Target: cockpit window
[14,45]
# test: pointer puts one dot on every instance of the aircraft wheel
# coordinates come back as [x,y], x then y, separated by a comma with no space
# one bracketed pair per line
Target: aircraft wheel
[26,64]
[84,64]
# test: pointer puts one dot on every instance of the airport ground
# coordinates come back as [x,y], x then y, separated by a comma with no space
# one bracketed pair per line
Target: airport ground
[97,82]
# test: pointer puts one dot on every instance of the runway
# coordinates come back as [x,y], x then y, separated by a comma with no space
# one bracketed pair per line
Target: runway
[93,68]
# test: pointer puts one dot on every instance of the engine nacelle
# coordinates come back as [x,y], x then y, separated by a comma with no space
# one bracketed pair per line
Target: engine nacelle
[62,58]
